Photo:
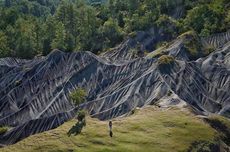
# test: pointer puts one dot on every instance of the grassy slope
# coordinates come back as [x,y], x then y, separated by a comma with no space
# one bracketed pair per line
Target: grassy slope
[149,129]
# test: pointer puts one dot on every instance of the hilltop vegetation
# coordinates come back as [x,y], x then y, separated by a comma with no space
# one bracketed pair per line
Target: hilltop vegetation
[149,129]
[30,28]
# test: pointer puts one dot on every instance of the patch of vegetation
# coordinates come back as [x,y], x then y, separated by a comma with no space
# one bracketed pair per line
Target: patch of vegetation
[148,124]
[169,25]
[78,96]
[166,60]
[208,50]
[157,53]
[203,146]
[132,34]
[30,28]
[3,130]
[18,82]
[192,44]
[169,93]
[161,44]
[77,128]
[222,125]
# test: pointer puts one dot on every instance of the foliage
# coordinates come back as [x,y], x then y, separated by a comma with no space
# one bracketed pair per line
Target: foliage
[3,130]
[111,32]
[192,44]
[81,115]
[208,18]
[222,125]
[169,25]
[78,96]
[203,146]
[4,48]
[166,60]
[29,28]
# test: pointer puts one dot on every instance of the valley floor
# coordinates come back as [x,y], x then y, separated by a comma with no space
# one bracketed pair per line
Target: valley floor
[150,129]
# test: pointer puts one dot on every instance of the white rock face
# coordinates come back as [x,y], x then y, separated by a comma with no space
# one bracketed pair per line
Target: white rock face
[34,93]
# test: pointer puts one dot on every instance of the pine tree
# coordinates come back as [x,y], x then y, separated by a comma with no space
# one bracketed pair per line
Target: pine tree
[60,37]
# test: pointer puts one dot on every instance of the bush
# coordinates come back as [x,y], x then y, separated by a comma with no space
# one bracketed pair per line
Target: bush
[77,128]
[166,60]
[192,44]
[3,130]
[208,50]
[132,34]
[168,24]
[18,82]
[81,115]
[78,96]
[162,44]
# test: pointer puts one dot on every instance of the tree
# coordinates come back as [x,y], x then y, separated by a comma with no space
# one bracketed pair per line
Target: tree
[204,20]
[60,37]
[227,20]
[49,30]
[4,48]
[87,27]
[121,21]
[25,45]
[112,33]
[78,96]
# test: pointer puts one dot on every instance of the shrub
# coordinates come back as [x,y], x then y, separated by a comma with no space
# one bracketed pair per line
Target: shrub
[192,44]
[81,115]
[208,50]
[78,96]
[166,60]
[17,82]
[3,130]
[133,34]
[162,44]
[169,93]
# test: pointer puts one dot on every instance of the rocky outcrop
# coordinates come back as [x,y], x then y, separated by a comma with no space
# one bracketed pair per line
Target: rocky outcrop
[34,94]
[217,40]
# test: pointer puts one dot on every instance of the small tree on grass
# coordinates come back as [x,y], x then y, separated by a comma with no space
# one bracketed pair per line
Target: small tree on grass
[78,97]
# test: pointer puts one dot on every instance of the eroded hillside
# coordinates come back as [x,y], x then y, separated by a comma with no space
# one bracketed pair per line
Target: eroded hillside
[35,93]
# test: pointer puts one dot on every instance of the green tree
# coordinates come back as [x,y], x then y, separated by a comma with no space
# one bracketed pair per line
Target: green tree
[112,33]
[60,37]
[49,33]
[4,46]
[78,96]
[88,24]
[204,19]
[25,45]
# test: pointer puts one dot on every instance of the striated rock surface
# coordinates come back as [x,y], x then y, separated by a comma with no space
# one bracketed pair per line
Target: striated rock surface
[34,93]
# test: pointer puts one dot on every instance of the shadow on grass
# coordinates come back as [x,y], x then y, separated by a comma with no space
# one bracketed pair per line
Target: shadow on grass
[77,128]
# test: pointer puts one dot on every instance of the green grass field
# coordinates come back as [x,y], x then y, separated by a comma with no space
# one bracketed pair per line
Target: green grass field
[148,130]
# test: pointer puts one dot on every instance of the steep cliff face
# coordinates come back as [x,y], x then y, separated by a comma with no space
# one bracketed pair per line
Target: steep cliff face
[34,93]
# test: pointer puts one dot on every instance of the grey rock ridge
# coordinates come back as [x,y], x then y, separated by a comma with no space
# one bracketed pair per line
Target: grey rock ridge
[34,93]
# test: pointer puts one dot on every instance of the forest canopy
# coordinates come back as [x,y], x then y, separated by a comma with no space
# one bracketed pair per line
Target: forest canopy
[31,28]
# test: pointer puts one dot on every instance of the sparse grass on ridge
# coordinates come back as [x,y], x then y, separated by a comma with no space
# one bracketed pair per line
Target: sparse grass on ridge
[149,130]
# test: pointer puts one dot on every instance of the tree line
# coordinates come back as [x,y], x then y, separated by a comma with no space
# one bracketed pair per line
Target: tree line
[30,28]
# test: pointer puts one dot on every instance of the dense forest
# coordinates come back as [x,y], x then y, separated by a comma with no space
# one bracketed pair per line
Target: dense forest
[31,28]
